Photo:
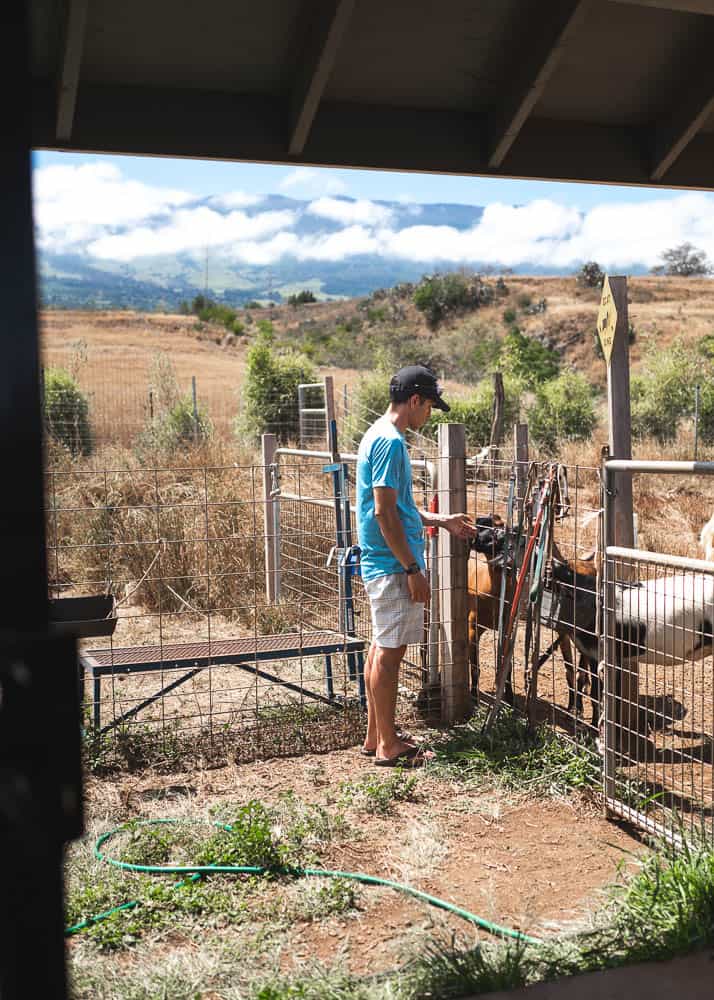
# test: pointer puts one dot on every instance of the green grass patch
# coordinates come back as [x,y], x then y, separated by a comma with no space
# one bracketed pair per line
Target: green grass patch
[377,795]
[515,758]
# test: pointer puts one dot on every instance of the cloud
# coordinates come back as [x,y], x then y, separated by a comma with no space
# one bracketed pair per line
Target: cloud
[95,208]
[312,183]
[236,199]
[73,204]
[191,229]
[349,212]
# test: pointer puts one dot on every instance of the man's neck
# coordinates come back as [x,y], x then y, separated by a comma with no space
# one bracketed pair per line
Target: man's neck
[399,417]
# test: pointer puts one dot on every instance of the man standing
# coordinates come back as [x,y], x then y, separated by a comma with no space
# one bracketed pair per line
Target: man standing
[391,536]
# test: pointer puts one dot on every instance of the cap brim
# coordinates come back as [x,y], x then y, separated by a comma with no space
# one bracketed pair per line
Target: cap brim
[439,403]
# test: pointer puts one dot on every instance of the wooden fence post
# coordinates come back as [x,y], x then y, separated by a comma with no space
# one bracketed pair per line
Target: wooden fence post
[520,456]
[453,555]
[271,513]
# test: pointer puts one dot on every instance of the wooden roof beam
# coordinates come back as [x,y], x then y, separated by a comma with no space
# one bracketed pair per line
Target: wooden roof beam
[542,51]
[68,77]
[316,64]
[671,137]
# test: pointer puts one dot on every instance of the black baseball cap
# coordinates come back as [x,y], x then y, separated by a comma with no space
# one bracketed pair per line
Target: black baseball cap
[418,379]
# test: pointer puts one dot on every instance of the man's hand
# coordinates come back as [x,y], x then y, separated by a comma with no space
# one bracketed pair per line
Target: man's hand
[459,525]
[418,588]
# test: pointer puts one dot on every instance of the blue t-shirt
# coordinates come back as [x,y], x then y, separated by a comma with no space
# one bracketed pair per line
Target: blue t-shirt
[383,460]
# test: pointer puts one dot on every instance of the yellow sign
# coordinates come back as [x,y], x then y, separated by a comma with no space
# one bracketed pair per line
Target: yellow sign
[607,320]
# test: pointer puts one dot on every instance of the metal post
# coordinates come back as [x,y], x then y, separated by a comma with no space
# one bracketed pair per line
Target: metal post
[271,529]
[195,409]
[607,654]
[329,389]
[455,688]
[301,407]
[697,391]
[520,453]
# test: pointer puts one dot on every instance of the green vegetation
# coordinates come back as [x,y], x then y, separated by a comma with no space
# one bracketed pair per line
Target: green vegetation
[66,412]
[302,298]
[590,275]
[684,261]
[476,410]
[513,758]
[563,410]
[270,390]
[209,311]
[662,393]
[527,360]
[442,295]
[377,795]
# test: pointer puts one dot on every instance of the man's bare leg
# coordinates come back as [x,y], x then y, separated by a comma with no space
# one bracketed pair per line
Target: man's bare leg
[370,740]
[384,674]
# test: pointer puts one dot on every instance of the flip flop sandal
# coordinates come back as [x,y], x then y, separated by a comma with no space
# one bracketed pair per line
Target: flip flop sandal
[413,757]
[401,735]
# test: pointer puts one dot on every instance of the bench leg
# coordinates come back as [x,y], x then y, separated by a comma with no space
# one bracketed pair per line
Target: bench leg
[329,682]
[96,703]
[352,666]
[360,680]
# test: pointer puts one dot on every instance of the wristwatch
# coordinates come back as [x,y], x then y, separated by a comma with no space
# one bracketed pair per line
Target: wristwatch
[413,568]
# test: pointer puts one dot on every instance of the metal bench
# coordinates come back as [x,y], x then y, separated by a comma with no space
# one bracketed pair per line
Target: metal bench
[244,653]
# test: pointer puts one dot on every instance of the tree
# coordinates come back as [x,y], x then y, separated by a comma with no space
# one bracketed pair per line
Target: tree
[684,261]
[270,391]
[302,298]
[591,275]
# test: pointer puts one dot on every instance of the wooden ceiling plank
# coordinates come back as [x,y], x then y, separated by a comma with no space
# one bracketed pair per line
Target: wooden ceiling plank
[672,138]
[315,68]
[68,78]
[557,21]
[679,6]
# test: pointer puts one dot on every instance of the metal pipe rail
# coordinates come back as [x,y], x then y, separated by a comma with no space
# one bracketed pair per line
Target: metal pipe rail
[667,468]
[659,559]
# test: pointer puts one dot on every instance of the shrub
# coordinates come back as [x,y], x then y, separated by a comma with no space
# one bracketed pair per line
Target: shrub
[527,360]
[706,409]
[509,316]
[590,275]
[476,411]
[467,353]
[663,393]
[179,426]
[439,295]
[563,409]
[523,300]
[66,412]
[369,401]
[270,391]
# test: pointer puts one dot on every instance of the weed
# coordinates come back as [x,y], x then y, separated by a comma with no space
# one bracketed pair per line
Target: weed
[333,897]
[377,795]
[249,841]
[449,972]
[515,758]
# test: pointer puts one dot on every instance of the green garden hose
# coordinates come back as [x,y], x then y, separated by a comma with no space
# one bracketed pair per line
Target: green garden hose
[198,871]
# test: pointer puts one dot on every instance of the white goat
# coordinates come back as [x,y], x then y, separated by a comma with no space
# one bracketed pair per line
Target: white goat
[706,539]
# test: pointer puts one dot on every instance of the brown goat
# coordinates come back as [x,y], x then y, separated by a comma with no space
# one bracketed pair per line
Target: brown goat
[484,594]
[483,603]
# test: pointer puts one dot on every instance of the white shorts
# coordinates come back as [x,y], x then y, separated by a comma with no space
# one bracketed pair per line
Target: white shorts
[396,619]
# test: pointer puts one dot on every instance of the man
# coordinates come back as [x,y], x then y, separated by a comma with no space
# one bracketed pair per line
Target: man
[391,536]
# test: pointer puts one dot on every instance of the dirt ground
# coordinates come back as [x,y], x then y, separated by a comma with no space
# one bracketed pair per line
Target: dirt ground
[534,864]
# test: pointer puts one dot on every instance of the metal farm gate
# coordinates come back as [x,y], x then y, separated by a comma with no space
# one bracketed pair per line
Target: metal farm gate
[658,737]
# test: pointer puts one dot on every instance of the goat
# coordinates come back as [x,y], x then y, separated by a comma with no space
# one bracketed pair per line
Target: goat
[484,597]
[587,666]
[706,539]
[667,620]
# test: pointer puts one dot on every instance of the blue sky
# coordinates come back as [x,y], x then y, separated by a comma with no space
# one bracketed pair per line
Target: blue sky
[123,208]
[205,177]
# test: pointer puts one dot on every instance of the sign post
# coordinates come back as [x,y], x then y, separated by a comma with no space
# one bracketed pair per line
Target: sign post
[621,685]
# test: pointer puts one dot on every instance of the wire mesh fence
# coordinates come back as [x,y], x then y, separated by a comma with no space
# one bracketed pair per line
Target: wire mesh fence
[659,693]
